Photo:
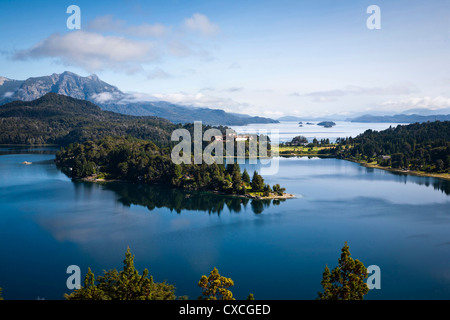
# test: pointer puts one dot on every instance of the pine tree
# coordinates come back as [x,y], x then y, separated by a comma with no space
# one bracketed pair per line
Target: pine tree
[236,180]
[346,281]
[127,284]
[257,182]
[215,287]
[246,176]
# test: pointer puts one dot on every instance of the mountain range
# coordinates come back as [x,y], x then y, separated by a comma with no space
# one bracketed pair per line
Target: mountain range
[402,118]
[407,116]
[93,89]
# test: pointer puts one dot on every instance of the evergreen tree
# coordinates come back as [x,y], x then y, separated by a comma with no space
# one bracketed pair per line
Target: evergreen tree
[236,180]
[127,284]
[257,182]
[215,287]
[346,281]
[246,176]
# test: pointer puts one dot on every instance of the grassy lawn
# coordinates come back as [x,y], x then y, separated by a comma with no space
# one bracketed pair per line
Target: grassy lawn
[300,149]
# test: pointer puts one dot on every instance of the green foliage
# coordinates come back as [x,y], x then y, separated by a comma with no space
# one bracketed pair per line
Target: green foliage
[418,146]
[346,281]
[267,190]
[61,120]
[278,190]
[257,182]
[127,284]
[215,287]
[246,177]
[142,161]
[1,298]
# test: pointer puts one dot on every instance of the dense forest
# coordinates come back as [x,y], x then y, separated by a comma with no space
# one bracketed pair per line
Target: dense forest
[419,147]
[141,161]
[61,120]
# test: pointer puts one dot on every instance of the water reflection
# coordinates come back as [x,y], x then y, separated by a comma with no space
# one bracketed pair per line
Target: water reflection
[177,200]
[27,150]
[436,183]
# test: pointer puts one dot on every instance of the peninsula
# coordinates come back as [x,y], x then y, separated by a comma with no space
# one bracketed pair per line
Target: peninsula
[141,161]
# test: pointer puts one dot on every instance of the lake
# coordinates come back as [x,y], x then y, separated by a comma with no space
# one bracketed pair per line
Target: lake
[289,129]
[273,250]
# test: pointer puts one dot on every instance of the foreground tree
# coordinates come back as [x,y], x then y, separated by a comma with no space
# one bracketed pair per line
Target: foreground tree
[127,284]
[215,287]
[346,281]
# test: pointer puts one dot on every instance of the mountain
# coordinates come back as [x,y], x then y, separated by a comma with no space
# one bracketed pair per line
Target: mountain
[59,119]
[183,114]
[66,83]
[406,116]
[334,117]
[93,89]
[427,112]
[401,118]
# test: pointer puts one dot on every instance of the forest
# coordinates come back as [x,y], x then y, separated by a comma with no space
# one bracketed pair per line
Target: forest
[61,120]
[141,161]
[418,147]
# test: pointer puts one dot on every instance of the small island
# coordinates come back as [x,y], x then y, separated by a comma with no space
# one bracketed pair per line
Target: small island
[141,161]
[326,124]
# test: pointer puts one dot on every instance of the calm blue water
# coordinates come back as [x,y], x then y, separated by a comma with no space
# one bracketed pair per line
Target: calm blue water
[289,129]
[276,251]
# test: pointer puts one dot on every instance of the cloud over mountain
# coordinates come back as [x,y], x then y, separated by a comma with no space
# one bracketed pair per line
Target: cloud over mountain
[113,44]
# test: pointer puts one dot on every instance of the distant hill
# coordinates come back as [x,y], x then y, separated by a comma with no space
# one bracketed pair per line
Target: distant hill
[58,119]
[401,118]
[91,88]
[183,114]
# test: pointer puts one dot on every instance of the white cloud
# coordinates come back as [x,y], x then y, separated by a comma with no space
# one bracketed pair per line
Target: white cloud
[181,98]
[201,23]
[108,23]
[431,103]
[93,51]
[332,95]
[110,43]
[105,97]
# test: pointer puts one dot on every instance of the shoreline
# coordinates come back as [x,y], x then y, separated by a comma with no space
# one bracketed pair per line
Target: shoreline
[445,176]
[247,196]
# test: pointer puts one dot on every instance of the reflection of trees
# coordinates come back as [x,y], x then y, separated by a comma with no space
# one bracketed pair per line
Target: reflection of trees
[436,183]
[152,197]
[27,150]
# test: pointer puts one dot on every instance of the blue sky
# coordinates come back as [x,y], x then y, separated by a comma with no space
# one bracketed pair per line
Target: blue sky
[268,58]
